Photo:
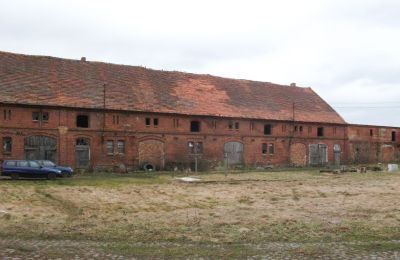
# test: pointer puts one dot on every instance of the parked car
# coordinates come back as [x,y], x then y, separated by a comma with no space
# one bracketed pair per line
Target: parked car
[28,169]
[66,171]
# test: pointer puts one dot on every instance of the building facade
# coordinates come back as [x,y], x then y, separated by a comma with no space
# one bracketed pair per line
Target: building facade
[95,115]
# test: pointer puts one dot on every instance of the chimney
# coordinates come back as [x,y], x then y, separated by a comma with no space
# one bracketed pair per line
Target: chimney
[83,59]
[293,84]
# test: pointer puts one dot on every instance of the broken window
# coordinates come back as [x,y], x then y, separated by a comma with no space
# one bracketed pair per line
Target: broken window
[121,146]
[195,147]
[82,121]
[82,141]
[264,148]
[110,147]
[35,116]
[267,129]
[194,126]
[393,136]
[320,131]
[155,121]
[45,116]
[271,149]
[7,144]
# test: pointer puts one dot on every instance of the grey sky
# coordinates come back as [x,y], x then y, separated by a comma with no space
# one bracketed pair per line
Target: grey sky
[347,51]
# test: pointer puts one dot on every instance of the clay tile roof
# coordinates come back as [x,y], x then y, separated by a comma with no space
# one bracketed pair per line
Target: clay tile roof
[26,79]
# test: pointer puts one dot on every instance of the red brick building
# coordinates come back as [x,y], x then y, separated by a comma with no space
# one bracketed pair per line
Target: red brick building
[100,115]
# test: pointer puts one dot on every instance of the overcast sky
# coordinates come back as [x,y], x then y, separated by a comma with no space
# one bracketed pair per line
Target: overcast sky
[348,51]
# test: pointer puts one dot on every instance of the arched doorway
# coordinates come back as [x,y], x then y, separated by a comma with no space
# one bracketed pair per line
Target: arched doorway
[298,154]
[151,152]
[82,153]
[233,153]
[40,148]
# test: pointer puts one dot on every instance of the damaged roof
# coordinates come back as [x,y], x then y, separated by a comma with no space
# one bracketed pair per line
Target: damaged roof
[42,80]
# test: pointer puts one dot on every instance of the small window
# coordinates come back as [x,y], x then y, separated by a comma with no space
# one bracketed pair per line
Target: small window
[271,149]
[5,114]
[371,132]
[82,121]
[7,144]
[230,125]
[35,116]
[155,121]
[121,147]
[267,129]
[176,122]
[195,147]
[116,119]
[320,131]
[393,136]
[9,114]
[301,129]
[194,126]
[295,128]
[214,124]
[264,148]
[237,125]
[45,116]
[148,121]
[110,147]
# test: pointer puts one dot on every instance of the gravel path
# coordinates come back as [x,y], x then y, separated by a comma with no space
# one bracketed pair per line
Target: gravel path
[67,249]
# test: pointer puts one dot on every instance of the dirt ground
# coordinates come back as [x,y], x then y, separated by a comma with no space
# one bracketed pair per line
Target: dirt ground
[242,208]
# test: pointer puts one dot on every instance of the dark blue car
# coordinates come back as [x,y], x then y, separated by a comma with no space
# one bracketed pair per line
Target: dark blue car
[66,171]
[28,169]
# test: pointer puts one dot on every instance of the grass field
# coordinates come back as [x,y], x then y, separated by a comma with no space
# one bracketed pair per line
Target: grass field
[157,216]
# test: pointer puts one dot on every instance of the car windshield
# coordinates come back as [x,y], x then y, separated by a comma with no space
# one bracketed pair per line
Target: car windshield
[48,163]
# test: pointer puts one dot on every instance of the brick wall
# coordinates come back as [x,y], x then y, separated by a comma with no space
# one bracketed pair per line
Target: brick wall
[172,133]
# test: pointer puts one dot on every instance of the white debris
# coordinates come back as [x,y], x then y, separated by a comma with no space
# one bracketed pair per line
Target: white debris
[393,167]
[188,179]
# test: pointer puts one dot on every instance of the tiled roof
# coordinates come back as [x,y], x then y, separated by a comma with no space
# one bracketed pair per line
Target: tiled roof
[26,79]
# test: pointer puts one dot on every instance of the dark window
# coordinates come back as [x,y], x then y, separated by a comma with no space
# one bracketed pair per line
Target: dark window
[271,148]
[301,129]
[148,121]
[320,131]
[264,148]
[82,121]
[110,147]
[82,141]
[121,147]
[371,132]
[195,147]
[155,121]
[267,129]
[230,125]
[393,136]
[35,116]
[194,126]
[295,128]
[236,125]
[9,114]
[45,116]
[7,144]
[5,114]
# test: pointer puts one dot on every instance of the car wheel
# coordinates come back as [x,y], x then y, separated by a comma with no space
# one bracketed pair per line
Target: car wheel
[15,176]
[51,176]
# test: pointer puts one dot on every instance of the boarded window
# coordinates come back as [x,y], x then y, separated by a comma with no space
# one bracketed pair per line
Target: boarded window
[267,129]
[393,136]
[110,147]
[320,131]
[121,146]
[148,121]
[7,144]
[318,154]
[194,126]
[82,121]
[195,147]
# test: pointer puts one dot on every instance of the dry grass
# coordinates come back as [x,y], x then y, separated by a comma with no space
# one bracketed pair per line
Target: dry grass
[247,207]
